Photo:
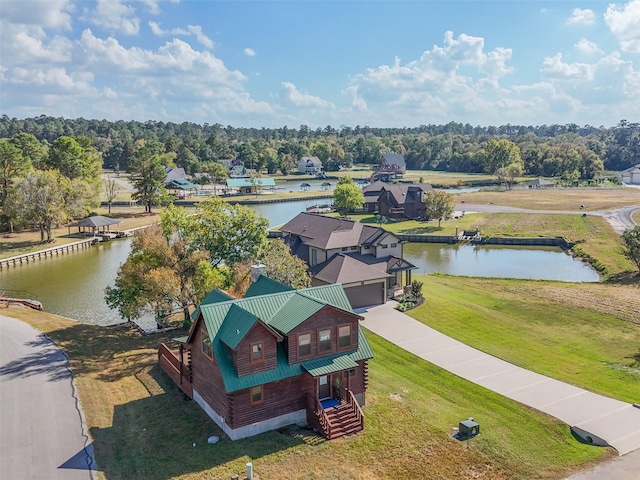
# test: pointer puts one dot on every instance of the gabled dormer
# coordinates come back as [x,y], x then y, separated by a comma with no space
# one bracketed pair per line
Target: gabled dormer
[251,343]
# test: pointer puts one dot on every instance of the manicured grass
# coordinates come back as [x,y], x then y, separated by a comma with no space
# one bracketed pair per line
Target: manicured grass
[142,428]
[578,333]
[568,199]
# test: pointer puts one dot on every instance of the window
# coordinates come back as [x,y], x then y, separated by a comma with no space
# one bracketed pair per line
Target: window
[352,372]
[314,257]
[394,245]
[256,395]
[256,352]
[344,336]
[384,245]
[304,345]
[324,340]
[207,347]
[345,249]
[367,248]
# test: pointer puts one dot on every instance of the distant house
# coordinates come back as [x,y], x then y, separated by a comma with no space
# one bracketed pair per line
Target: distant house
[174,173]
[539,183]
[396,201]
[391,163]
[630,176]
[366,260]
[236,168]
[310,165]
[181,187]
[247,186]
[276,357]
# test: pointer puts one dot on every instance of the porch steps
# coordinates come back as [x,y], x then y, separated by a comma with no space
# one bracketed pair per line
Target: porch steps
[343,421]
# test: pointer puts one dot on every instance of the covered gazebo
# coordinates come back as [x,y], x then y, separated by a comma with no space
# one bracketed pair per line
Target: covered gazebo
[93,226]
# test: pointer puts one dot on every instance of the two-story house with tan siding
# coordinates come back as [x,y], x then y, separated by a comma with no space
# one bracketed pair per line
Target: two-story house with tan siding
[366,260]
[276,357]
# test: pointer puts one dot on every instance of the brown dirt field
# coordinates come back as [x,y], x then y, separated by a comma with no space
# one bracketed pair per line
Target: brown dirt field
[557,199]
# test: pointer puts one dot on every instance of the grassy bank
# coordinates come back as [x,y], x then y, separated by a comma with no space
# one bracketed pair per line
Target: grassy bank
[567,199]
[142,428]
[583,334]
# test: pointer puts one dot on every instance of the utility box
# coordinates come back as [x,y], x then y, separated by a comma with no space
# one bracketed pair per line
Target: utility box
[468,428]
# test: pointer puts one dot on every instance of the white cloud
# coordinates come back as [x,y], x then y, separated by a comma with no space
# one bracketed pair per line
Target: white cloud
[624,23]
[195,30]
[290,95]
[581,16]
[249,52]
[29,43]
[44,14]
[114,16]
[159,32]
[556,68]
[587,47]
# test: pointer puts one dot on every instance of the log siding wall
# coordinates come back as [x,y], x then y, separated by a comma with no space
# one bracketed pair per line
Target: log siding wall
[242,353]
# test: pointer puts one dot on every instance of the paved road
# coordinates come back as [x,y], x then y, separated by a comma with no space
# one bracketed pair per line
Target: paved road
[603,419]
[42,433]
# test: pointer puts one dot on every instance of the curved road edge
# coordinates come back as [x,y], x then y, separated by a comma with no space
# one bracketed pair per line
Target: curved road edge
[44,433]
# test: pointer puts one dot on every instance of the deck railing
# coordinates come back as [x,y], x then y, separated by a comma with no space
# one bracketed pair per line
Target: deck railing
[316,416]
[178,372]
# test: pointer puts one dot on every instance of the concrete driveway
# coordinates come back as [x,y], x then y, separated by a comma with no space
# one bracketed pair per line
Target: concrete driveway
[43,435]
[603,420]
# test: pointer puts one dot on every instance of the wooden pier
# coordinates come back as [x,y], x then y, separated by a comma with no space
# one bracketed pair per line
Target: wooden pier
[48,252]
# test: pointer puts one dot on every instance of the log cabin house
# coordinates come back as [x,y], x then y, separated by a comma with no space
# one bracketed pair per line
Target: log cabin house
[276,357]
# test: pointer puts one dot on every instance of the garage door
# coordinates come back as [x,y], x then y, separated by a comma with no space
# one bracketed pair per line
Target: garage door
[365,295]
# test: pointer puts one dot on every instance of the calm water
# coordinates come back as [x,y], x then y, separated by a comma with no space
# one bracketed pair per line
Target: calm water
[73,284]
[541,263]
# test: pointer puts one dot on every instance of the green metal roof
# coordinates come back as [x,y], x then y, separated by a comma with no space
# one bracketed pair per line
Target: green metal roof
[324,366]
[214,296]
[237,324]
[281,311]
[265,285]
[297,309]
[243,182]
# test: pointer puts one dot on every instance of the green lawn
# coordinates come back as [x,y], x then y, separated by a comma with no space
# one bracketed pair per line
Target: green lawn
[552,328]
[142,427]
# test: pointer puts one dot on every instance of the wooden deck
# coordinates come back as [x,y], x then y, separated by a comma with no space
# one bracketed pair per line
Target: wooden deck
[180,372]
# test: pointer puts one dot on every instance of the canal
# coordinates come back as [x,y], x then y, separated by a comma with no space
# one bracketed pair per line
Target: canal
[73,284]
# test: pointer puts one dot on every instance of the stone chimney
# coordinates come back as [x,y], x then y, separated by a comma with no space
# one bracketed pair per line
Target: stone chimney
[258,269]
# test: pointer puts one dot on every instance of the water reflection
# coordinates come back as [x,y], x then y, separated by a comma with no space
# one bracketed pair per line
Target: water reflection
[540,263]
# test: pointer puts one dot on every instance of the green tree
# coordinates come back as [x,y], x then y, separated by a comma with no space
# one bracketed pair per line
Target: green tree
[232,234]
[631,244]
[13,167]
[148,178]
[508,174]
[499,154]
[283,266]
[438,205]
[347,196]
[30,147]
[40,200]
[162,273]
[75,158]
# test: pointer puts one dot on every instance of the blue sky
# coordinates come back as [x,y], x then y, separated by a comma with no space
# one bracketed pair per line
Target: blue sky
[318,63]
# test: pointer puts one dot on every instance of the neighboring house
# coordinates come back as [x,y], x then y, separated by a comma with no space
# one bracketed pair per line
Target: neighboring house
[391,163]
[236,168]
[539,183]
[366,260]
[396,201]
[174,173]
[247,186]
[276,357]
[311,165]
[630,176]
[181,187]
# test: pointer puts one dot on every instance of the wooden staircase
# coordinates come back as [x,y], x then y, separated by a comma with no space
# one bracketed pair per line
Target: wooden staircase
[343,421]
[346,418]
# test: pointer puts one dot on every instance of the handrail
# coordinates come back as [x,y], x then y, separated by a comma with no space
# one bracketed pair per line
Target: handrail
[351,400]
[317,416]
